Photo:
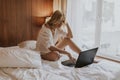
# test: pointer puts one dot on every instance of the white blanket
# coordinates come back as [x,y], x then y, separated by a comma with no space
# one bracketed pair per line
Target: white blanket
[103,70]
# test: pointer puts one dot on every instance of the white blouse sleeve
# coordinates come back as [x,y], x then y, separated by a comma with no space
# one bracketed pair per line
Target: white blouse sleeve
[48,40]
[44,40]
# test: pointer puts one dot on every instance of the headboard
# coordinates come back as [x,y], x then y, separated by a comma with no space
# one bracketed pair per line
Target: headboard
[21,20]
[37,22]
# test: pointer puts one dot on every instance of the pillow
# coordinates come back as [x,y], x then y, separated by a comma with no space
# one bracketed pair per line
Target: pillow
[29,44]
[19,57]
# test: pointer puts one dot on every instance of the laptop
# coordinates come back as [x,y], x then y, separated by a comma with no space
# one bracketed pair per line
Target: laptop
[85,58]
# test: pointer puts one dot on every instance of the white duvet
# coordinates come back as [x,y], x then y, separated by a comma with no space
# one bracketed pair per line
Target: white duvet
[103,70]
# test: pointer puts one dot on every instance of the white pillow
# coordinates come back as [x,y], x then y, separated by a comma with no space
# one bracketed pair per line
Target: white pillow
[19,57]
[29,44]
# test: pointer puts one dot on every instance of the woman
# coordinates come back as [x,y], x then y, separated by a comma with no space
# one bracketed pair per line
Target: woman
[48,37]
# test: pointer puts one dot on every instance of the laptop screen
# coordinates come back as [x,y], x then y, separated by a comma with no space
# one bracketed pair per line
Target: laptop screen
[86,57]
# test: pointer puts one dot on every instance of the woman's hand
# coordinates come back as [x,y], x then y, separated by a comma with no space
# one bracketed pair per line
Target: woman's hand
[52,48]
[70,57]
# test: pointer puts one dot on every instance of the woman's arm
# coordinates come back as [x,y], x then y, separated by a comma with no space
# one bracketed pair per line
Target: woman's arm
[53,48]
[69,34]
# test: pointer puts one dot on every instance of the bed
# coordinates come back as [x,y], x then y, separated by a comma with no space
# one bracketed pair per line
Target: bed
[47,70]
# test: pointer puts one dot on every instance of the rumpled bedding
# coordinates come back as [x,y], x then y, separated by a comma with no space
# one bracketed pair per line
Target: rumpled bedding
[103,70]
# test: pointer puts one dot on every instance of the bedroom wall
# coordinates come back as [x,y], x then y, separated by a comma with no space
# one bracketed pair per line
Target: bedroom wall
[19,19]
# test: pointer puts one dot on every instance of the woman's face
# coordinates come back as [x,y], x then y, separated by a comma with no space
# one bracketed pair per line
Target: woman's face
[59,23]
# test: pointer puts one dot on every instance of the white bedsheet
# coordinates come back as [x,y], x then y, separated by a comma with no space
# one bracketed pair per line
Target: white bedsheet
[104,70]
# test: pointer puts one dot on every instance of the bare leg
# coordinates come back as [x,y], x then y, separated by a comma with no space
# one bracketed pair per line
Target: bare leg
[54,56]
[66,41]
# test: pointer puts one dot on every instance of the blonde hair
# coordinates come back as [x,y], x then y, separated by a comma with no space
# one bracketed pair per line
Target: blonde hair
[55,18]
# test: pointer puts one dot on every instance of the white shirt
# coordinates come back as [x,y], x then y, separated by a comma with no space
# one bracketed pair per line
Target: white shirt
[46,39]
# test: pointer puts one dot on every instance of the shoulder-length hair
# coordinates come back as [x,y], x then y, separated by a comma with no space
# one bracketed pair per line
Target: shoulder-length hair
[55,18]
